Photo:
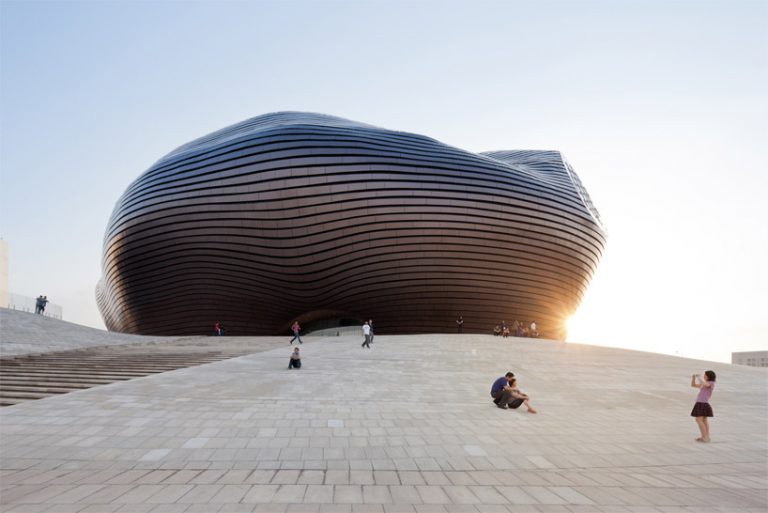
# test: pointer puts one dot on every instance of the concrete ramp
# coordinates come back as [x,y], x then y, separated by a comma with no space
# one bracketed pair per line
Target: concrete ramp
[26,333]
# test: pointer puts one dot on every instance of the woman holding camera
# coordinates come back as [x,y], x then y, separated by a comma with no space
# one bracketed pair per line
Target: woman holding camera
[702,409]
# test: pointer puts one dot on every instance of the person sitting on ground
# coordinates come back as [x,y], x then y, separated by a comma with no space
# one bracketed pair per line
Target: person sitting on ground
[295,361]
[497,331]
[518,397]
[501,391]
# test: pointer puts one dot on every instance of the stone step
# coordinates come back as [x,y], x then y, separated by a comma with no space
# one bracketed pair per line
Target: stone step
[37,388]
[60,379]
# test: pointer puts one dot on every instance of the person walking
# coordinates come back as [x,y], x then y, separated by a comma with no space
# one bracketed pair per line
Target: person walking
[295,360]
[702,410]
[367,335]
[296,328]
[460,324]
[370,325]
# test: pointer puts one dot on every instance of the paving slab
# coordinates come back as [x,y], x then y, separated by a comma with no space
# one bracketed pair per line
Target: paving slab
[407,426]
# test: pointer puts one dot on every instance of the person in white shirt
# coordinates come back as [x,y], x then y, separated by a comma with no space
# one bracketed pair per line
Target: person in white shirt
[367,335]
[295,361]
[534,333]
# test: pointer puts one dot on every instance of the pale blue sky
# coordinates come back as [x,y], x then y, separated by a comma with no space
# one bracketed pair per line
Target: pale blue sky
[660,107]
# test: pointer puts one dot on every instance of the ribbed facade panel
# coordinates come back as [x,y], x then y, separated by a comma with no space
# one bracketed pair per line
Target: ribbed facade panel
[306,216]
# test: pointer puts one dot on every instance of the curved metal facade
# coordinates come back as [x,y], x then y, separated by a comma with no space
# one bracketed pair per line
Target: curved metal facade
[306,216]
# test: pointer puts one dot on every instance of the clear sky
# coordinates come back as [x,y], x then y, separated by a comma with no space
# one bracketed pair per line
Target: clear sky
[659,106]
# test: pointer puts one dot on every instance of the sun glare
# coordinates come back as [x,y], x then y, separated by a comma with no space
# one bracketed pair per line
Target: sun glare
[578,328]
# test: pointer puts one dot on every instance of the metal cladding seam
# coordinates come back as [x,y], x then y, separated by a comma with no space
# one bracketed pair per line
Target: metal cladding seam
[305,216]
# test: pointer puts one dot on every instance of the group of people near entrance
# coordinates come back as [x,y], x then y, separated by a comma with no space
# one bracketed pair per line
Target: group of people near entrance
[295,359]
[518,329]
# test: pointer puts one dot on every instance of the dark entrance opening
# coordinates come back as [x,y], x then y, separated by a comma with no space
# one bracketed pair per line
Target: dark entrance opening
[325,324]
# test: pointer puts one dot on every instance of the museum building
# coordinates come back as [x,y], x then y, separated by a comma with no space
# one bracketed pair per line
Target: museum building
[301,216]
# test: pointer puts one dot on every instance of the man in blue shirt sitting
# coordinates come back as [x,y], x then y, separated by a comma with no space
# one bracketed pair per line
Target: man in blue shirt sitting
[501,391]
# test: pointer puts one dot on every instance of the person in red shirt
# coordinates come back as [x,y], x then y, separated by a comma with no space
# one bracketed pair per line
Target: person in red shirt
[296,329]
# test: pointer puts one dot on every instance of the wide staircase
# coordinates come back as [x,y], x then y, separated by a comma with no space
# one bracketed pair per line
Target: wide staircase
[23,378]
[41,357]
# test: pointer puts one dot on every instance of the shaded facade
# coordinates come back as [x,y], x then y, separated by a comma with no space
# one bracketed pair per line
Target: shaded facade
[312,217]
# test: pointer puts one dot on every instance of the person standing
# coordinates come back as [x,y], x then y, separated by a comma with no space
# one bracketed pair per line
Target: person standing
[534,330]
[296,328]
[702,409]
[367,335]
[39,305]
[370,325]
[43,302]
[460,324]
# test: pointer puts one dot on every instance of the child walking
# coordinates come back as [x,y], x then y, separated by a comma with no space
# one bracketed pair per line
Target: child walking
[702,410]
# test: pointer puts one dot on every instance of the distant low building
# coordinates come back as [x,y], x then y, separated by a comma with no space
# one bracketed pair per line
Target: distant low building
[751,358]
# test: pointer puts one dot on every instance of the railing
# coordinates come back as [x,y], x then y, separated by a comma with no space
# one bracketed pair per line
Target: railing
[27,304]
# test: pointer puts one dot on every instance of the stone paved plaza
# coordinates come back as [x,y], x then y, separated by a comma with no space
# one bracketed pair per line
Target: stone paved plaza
[407,426]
